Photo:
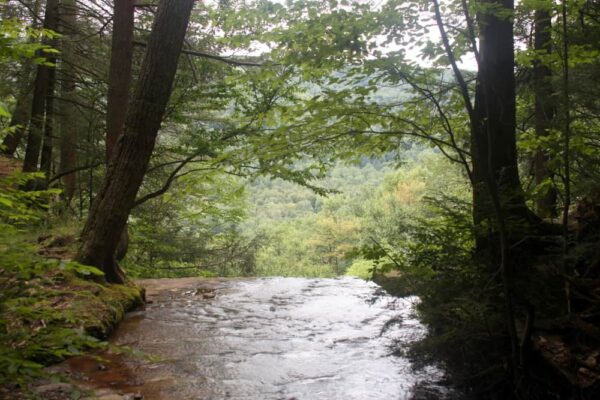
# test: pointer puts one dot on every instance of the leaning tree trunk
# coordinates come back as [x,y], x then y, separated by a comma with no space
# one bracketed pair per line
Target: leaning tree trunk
[119,81]
[36,126]
[544,110]
[133,150]
[119,75]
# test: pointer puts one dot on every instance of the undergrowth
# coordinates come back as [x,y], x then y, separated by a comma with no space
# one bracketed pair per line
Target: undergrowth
[50,309]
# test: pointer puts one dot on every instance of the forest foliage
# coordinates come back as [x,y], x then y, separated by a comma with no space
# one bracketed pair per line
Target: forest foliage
[451,144]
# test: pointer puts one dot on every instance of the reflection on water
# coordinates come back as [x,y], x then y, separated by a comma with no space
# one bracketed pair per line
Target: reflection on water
[275,338]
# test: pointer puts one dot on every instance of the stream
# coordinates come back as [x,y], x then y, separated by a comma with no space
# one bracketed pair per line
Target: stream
[272,338]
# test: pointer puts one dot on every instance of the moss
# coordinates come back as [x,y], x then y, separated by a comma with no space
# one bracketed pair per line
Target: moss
[100,307]
[50,316]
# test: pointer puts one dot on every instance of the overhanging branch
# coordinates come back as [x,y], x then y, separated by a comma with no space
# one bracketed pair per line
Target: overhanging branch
[226,60]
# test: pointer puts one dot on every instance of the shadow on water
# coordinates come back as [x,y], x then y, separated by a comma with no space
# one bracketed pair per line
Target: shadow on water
[275,338]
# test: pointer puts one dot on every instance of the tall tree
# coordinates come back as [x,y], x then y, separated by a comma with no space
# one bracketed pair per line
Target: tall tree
[493,124]
[500,213]
[22,111]
[544,108]
[48,143]
[119,81]
[498,197]
[119,75]
[68,109]
[492,116]
[125,174]
[40,92]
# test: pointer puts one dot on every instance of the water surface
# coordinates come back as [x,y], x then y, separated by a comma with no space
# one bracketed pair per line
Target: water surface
[274,338]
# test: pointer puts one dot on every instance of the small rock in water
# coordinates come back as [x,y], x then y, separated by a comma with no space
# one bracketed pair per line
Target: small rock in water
[209,295]
[206,293]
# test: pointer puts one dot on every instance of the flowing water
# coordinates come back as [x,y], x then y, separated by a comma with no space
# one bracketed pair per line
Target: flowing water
[274,338]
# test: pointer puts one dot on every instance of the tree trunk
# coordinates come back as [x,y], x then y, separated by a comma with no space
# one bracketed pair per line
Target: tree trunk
[119,81]
[544,110]
[119,75]
[46,161]
[36,126]
[499,208]
[22,112]
[493,143]
[133,150]
[68,110]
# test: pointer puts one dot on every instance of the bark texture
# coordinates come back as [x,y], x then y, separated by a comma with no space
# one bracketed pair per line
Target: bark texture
[119,82]
[494,149]
[68,111]
[48,146]
[119,75]
[111,208]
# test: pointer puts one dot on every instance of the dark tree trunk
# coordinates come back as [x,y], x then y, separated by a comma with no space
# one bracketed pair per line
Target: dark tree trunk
[499,210]
[36,124]
[133,150]
[68,110]
[119,75]
[46,161]
[544,110]
[119,81]
[40,92]
[493,126]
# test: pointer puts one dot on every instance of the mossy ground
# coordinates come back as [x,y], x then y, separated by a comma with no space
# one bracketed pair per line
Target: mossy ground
[51,309]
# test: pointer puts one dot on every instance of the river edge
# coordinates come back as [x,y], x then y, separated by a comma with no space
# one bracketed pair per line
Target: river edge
[99,313]
[106,375]
[114,376]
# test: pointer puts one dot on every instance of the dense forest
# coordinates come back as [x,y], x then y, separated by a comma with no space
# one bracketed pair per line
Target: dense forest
[445,149]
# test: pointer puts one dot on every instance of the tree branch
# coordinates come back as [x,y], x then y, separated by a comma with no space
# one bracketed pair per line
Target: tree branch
[167,185]
[458,75]
[72,171]
[471,29]
[212,57]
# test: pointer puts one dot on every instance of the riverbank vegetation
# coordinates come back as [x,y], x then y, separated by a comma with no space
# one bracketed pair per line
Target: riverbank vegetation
[51,308]
[450,145]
